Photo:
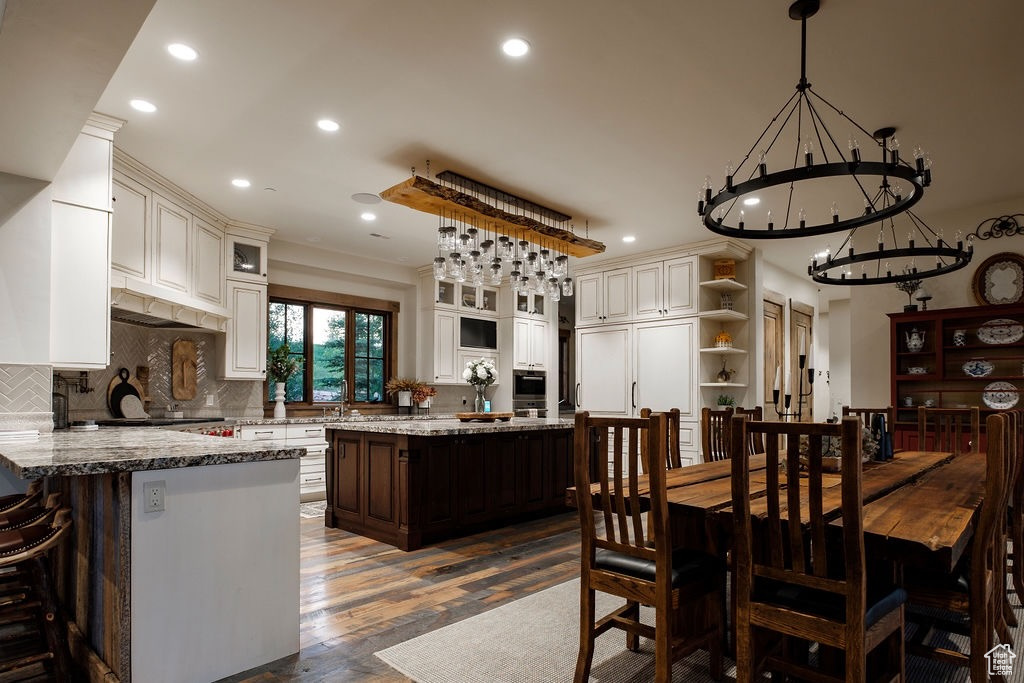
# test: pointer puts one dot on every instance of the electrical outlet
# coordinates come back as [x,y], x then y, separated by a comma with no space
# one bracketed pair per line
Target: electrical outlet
[153,496]
[211,400]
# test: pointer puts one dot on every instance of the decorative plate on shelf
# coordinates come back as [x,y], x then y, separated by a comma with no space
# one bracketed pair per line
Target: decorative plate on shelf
[1000,396]
[1000,279]
[1001,331]
[917,370]
[977,367]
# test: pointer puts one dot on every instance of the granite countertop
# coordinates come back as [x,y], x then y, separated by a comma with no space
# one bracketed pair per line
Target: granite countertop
[450,426]
[129,449]
[249,421]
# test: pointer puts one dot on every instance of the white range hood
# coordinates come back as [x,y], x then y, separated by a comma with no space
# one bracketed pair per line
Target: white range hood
[141,303]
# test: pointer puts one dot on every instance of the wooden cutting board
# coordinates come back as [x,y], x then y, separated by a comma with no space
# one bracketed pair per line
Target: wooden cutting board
[183,370]
[483,417]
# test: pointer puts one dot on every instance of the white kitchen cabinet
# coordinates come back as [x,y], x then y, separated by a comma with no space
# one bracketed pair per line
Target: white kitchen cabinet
[130,234]
[445,345]
[478,299]
[79,253]
[604,297]
[79,287]
[245,338]
[172,245]
[469,355]
[245,257]
[665,288]
[530,304]
[665,366]
[604,375]
[530,344]
[443,293]
[208,263]
[312,466]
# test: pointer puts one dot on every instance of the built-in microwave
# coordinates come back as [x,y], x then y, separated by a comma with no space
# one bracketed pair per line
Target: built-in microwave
[477,333]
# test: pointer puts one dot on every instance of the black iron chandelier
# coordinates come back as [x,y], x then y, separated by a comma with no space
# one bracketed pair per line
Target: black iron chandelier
[797,130]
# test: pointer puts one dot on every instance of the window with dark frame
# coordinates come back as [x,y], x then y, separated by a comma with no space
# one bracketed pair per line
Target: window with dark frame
[344,352]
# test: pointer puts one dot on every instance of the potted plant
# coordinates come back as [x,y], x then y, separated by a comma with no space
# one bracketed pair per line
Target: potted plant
[280,366]
[725,401]
[403,388]
[422,394]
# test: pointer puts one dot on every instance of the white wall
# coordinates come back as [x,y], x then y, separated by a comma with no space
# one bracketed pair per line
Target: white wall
[869,329]
[299,266]
[838,358]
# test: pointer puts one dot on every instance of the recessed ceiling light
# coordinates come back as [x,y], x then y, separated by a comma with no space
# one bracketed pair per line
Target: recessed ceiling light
[629,238]
[366,198]
[143,105]
[240,182]
[182,52]
[328,125]
[368,216]
[515,47]
[751,201]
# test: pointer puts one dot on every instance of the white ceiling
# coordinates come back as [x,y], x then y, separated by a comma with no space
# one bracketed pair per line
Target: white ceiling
[614,117]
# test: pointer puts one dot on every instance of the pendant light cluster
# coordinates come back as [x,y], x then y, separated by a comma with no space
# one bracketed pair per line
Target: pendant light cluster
[800,157]
[466,253]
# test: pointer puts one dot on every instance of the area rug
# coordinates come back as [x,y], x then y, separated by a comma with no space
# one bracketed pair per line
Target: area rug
[311,510]
[532,640]
[535,640]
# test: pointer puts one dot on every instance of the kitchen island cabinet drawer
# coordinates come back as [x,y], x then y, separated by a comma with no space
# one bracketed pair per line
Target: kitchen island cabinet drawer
[262,432]
[305,431]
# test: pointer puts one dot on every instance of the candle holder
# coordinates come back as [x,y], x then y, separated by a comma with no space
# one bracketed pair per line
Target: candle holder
[784,411]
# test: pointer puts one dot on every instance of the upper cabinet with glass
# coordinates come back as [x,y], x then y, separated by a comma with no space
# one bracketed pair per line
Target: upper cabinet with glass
[246,259]
[477,298]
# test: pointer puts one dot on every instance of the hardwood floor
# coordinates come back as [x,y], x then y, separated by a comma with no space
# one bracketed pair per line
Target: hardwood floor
[360,596]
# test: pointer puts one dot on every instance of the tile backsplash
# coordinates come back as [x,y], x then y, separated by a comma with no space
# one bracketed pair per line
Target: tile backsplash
[133,346]
[25,397]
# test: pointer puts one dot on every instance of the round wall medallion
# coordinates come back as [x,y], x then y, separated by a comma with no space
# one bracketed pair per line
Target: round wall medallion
[1000,279]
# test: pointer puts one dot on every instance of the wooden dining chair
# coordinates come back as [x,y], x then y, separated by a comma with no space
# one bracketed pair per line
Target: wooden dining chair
[621,558]
[971,588]
[714,432]
[801,579]
[949,429]
[673,455]
[755,440]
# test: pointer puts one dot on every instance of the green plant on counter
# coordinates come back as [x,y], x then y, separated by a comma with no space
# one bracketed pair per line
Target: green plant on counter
[281,364]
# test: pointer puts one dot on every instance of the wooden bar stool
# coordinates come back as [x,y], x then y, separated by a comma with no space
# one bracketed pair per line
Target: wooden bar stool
[32,633]
[17,500]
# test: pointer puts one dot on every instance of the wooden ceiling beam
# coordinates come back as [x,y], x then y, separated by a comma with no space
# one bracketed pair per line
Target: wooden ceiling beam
[427,196]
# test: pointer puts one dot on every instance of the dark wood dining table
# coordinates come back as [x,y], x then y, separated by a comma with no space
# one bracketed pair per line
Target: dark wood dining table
[919,507]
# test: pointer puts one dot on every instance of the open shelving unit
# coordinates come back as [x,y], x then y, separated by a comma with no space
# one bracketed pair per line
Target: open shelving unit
[968,358]
[715,318]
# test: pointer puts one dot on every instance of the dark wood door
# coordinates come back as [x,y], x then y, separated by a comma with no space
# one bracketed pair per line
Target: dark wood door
[801,332]
[774,343]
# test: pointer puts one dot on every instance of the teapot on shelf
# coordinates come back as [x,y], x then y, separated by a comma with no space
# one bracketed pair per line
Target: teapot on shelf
[915,340]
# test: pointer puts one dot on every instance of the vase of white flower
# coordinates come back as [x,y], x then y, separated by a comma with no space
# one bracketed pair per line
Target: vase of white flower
[481,374]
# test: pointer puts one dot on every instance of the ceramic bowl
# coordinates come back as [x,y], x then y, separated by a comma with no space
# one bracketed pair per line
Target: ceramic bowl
[917,370]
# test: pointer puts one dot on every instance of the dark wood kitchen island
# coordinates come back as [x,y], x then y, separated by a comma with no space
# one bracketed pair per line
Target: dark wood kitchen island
[413,482]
